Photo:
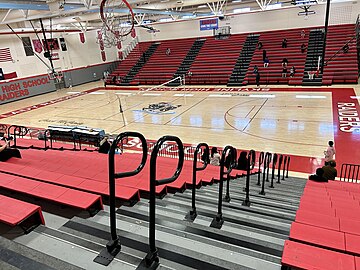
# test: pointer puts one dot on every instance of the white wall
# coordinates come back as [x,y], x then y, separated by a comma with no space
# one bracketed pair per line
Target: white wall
[77,55]
[341,13]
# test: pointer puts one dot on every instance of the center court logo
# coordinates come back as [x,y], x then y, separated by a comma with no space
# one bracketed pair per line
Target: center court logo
[160,108]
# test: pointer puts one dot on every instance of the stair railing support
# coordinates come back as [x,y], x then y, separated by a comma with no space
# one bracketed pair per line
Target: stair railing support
[284,168]
[113,247]
[261,160]
[218,221]
[267,161]
[251,163]
[279,168]
[152,258]
[274,161]
[232,164]
[287,167]
[206,153]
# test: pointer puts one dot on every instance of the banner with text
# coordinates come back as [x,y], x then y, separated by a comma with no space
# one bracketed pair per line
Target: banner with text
[209,24]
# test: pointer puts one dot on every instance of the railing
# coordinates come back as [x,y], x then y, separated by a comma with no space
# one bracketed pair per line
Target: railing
[170,150]
[286,167]
[192,213]
[17,131]
[218,220]
[274,161]
[340,50]
[230,161]
[250,165]
[267,161]
[349,172]
[279,168]
[261,160]
[113,246]
[152,258]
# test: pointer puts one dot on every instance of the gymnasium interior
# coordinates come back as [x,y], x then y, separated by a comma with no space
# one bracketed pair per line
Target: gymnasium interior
[216,116]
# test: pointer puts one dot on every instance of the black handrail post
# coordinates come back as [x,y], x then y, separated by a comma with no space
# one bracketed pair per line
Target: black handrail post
[287,167]
[250,166]
[279,168]
[284,168]
[267,160]
[261,160]
[218,221]
[152,258]
[192,213]
[268,167]
[274,161]
[232,164]
[113,247]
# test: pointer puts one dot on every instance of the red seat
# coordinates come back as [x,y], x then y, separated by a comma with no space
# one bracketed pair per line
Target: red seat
[317,236]
[13,212]
[302,256]
[316,219]
[352,243]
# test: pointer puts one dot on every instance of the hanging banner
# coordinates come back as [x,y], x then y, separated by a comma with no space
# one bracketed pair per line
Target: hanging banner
[133,33]
[37,45]
[209,24]
[101,44]
[55,56]
[82,37]
[103,56]
[63,44]
[120,54]
[99,33]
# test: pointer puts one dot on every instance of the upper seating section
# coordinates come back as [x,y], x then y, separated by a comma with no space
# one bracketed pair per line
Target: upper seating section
[216,60]
[125,65]
[343,67]
[272,43]
[161,66]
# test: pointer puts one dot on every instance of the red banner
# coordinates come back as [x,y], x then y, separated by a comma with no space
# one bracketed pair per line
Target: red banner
[99,33]
[82,37]
[37,45]
[101,44]
[133,33]
[120,54]
[103,56]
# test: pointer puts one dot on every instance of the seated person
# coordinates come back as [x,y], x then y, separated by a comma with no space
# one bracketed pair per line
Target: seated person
[284,72]
[242,161]
[284,63]
[266,62]
[104,145]
[303,48]
[292,71]
[284,43]
[329,170]
[6,152]
[311,74]
[319,176]
[215,157]
[259,45]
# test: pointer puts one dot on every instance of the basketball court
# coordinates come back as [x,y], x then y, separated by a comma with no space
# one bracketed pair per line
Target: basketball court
[295,121]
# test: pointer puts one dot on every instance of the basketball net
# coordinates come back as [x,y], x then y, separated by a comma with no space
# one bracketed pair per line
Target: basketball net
[118,21]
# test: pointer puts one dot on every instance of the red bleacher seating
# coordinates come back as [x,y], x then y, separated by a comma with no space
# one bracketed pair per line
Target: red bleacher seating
[14,212]
[54,193]
[272,42]
[343,68]
[302,256]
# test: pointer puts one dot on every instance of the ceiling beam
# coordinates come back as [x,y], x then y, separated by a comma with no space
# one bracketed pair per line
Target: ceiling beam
[25,5]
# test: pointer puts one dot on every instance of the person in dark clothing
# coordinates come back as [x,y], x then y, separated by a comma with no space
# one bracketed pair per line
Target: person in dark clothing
[284,72]
[284,43]
[114,80]
[259,45]
[319,176]
[6,152]
[256,69]
[264,55]
[292,71]
[345,48]
[329,170]
[242,161]
[284,62]
[257,79]
[303,48]
[104,146]
[144,57]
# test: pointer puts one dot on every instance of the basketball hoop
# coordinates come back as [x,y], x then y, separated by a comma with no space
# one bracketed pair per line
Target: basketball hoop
[118,19]
[55,74]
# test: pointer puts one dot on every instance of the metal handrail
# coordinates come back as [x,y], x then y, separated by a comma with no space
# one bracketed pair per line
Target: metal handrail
[152,256]
[232,164]
[348,173]
[17,131]
[218,220]
[284,168]
[192,213]
[113,246]
[267,161]
[251,163]
[281,158]
[287,167]
[261,160]
[274,161]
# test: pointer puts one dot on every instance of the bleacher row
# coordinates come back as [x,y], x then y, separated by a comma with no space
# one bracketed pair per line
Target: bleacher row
[216,59]
[326,231]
